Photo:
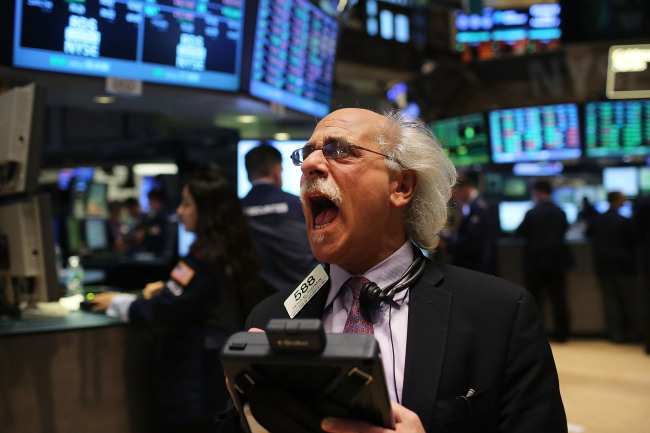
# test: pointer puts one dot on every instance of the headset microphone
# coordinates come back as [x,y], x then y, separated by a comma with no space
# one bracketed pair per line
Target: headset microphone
[371,296]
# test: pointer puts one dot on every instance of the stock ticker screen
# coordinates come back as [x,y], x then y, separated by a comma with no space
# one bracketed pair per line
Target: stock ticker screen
[293,55]
[464,138]
[617,128]
[544,133]
[501,33]
[196,43]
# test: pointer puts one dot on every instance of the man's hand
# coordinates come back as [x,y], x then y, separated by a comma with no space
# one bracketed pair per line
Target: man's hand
[406,421]
[152,289]
[102,301]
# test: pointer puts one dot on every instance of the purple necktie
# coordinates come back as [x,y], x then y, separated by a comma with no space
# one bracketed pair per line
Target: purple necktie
[359,320]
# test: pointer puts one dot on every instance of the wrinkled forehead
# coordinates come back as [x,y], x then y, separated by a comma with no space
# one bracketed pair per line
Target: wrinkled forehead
[357,126]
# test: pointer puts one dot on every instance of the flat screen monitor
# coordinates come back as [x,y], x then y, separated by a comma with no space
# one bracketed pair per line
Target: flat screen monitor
[96,199]
[623,179]
[26,224]
[293,55]
[80,176]
[617,128]
[515,187]
[498,33]
[186,43]
[73,238]
[644,180]
[290,173]
[625,210]
[464,138]
[22,121]
[96,234]
[185,240]
[543,133]
[570,210]
[511,214]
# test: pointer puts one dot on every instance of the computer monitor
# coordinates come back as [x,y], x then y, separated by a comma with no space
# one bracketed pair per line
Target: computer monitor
[494,33]
[96,234]
[185,43]
[602,206]
[530,134]
[511,214]
[185,240]
[464,138]
[292,55]
[26,225]
[290,173]
[644,180]
[570,210]
[617,128]
[73,239]
[96,199]
[22,122]
[623,179]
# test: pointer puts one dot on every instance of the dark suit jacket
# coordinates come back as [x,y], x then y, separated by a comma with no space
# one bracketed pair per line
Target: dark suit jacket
[280,235]
[467,330]
[474,246]
[544,227]
[615,243]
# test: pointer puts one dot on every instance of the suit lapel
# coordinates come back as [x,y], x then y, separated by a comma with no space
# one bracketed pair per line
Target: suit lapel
[428,322]
[314,308]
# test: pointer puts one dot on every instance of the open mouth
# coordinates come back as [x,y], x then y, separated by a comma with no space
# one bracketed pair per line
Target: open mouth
[323,210]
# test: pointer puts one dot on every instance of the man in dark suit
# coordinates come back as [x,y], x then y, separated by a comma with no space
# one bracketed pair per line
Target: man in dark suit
[615,242]
[277,222]
[472,242]
[462,350]
[546,256]
[642,217]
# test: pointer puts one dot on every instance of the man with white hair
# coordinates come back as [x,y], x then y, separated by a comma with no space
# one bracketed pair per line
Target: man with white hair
[462,350]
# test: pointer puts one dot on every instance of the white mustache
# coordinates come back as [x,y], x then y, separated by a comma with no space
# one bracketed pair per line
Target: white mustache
[321,186]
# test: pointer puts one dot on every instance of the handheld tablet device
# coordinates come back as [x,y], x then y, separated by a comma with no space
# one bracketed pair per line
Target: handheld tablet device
[305,375]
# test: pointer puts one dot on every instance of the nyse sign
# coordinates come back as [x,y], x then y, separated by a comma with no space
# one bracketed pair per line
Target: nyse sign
[628,74]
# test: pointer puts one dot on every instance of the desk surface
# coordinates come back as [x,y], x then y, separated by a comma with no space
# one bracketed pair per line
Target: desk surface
[75,320]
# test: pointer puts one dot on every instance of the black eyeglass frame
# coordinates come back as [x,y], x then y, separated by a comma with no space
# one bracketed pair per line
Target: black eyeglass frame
[298,157]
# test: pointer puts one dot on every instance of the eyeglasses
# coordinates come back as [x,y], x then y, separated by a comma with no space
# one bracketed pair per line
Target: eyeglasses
[331,150]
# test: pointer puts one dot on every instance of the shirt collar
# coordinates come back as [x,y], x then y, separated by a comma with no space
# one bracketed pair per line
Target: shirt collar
[382,274]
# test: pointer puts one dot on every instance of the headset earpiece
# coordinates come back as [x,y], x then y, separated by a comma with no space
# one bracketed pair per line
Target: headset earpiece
[370,295]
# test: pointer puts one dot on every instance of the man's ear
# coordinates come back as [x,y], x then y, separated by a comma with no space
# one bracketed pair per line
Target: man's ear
[276,174]
[405,184]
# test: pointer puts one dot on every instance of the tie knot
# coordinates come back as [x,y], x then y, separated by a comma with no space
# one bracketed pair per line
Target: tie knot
[355,284]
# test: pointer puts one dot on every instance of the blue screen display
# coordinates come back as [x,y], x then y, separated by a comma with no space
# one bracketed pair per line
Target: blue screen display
[189,43]
[544,133]
[293,55]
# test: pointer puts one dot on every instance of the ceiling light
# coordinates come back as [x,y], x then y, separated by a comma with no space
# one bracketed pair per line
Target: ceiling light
[280,136]
[104,99]
[154,169]
[246,119]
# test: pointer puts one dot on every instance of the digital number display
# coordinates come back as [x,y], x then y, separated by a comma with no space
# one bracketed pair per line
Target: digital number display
[545,133]
[183,42]
[464,138]
[496,33]
[617,128]
[293,55]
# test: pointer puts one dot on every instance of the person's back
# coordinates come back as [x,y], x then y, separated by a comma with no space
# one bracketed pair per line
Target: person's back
[544,228]
[473,244]
[277,222]
[547,257]
[614,240]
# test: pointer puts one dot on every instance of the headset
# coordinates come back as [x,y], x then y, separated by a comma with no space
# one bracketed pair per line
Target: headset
[371,295]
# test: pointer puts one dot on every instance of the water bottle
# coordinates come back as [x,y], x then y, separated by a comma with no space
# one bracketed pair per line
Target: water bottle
[74,277]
